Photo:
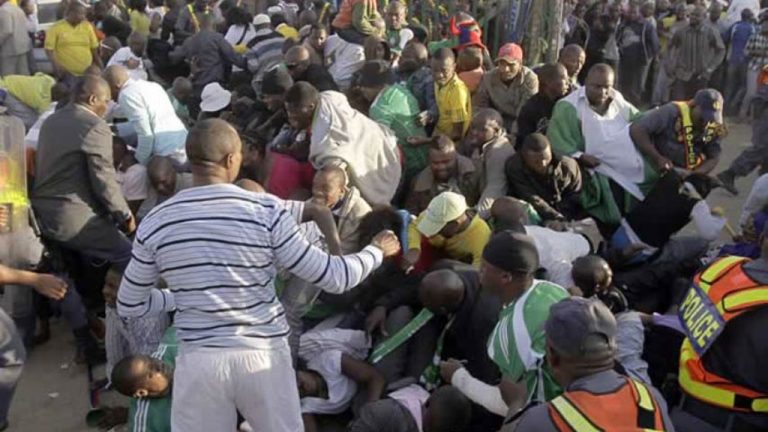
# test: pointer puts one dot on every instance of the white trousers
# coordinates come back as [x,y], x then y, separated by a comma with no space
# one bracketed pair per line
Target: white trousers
[211,384]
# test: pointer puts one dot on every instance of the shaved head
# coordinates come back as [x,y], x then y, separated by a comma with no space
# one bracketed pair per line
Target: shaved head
[441,291]
[116,76]
[210,141]
[508,213]
[89,88]
[296,54]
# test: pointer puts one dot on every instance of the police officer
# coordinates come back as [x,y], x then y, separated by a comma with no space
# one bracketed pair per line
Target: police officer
[722,361]
[581,349]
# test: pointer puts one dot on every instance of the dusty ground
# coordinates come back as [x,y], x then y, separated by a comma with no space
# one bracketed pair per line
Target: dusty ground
[52,395]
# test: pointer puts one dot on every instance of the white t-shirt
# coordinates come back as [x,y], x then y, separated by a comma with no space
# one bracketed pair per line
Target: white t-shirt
[341,389]
[134,183]
[343,60]
[557,251]
[122,56]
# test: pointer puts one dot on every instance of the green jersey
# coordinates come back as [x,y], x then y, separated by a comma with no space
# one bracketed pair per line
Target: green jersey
[154,415]
[517,344]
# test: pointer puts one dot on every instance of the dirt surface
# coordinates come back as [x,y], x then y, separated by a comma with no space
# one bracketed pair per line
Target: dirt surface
[52,395]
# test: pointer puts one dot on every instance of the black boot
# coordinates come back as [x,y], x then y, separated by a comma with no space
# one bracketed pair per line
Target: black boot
[88,350]
[727,179]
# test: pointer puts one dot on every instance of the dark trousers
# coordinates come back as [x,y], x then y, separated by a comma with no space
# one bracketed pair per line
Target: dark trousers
[757,154]
[632,76]
[12,355]
[735,87]
[685,90]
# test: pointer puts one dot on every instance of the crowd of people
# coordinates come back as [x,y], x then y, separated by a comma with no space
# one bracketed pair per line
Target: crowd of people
[284,216]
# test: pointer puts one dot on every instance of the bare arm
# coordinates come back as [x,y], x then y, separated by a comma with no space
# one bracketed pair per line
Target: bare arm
[642,140]
[46,284]
[364,375]
[323,217]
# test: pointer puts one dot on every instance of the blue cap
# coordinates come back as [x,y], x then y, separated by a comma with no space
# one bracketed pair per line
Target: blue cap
[710,102]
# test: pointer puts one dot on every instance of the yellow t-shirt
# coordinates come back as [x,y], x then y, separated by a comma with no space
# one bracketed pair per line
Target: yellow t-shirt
[454,104]
[140,22]
[72,46]
[287,31]
[34,91]
[465,246]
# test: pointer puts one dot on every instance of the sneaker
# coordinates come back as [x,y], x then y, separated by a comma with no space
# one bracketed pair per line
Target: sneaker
[727,179]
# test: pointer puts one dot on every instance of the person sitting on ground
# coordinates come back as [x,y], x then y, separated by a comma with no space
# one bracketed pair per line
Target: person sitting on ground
[446,229]
[393,105]
[164,182]
[535,114]
[315,43]
[581,345]
[131,175]
[150,112]
[415,71]
[517,343]
[490,149]
[447,171]
[398,34]
[413,409]
[180,95]
[454,102]
[272,120]
[355,20]
[215,100]
[469,66]
[573,58]
[683,135]
[330,189]
[131,57]
[591,126]
[148,381]
[341,135]
[454,294]
[557,248]
[508,86]
[550,183]
[299,64]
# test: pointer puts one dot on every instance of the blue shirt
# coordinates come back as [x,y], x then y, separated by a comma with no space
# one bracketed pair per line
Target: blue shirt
[153,117]
[738,36]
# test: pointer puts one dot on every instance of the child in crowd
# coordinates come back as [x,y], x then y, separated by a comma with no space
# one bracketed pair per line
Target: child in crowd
[128,336]
[470,67]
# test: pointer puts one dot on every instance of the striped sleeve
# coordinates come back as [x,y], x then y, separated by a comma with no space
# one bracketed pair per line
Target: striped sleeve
[334,274]
[137,295]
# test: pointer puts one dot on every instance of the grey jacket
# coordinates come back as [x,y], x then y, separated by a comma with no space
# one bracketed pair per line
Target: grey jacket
[75,183]
[14,39]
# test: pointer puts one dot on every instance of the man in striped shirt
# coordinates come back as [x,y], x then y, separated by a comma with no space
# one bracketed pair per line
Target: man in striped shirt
[218,248]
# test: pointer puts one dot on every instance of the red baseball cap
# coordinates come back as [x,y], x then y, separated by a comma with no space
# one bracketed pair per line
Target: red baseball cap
[511,53]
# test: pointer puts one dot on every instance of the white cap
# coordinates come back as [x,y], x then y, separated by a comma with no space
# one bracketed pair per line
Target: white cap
[261,19]
[215,98]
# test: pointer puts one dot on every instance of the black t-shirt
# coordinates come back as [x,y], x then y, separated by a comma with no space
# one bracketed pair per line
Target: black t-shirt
[534,117]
